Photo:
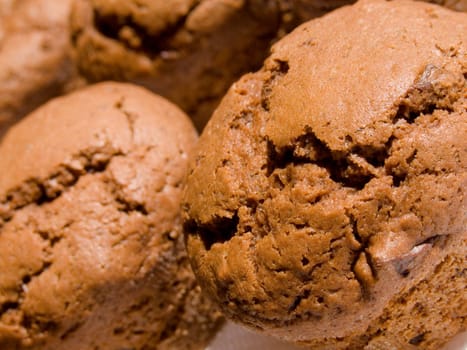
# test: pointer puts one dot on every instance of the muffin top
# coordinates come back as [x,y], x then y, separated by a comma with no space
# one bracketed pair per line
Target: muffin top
[334,177]
[91,250]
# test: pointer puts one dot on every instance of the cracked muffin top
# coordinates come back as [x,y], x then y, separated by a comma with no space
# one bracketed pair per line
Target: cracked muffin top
[332,180]
[91,250]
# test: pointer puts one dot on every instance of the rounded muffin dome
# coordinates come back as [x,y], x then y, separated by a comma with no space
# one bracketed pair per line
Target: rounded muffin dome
[326,202]
[91,250]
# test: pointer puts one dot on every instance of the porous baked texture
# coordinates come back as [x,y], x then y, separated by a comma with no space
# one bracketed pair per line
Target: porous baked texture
[189,51]
[91,250]
[326,203]
[35,55]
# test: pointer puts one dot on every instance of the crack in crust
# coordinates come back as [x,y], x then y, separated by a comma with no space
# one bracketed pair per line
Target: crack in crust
[40,191]
[219,230]
[353,176]
[133,220]
[136,37]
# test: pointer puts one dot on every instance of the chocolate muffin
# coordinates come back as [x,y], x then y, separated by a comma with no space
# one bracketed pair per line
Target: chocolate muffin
[34,56]
[91,250]
[326,203]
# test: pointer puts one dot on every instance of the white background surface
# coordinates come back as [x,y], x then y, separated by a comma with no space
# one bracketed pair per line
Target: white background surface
[233,337]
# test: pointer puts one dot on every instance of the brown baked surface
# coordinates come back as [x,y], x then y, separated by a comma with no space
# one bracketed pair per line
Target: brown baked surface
[91,250]
[188,51]
[34,55]
[326,203]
